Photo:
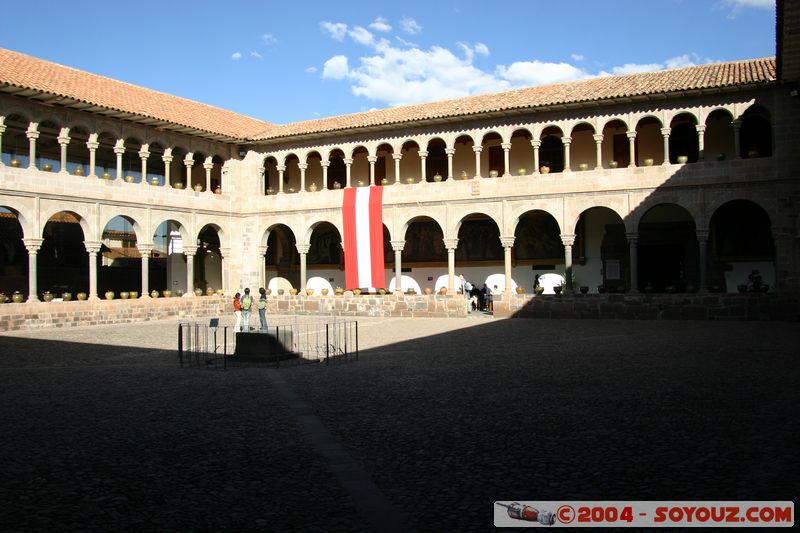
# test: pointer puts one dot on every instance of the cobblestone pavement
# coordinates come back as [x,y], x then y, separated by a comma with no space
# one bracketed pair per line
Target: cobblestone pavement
[101,430]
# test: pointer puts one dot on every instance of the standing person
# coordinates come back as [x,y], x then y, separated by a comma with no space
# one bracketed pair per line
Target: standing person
[462,284]
[247,304]
[262,308]
[237,312]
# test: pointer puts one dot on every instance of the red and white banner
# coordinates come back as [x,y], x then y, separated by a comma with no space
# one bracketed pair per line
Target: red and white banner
[363,237]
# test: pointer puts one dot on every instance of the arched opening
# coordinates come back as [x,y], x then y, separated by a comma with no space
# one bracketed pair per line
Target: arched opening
[78,152]
[216,174]
[479,253]
[13,255]
[463,157]
[156,168]
[177,168]
[741,248]
[337,170]
[719,141]
[270,175]
[167,263]
[755,134]
[384,165]
[493,162]
[582,148]
[314,172]
[683,140]
[537,248]
[208,261]
[15,141]
[360,168]
[325,258]
[105,158]
[410,165]
[667,251]
[198,172]
[616,146]
[436,162]
[291,176]
[424,254]
[551,151]
[132,161]
[62,263]
[282,259]
[649,142]
[521,155]
[120,263]
[600,254]
[48,151]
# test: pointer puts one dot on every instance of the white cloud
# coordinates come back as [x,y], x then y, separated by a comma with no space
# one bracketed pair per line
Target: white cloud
[758,4]
[380,24]
[269,38]
[236,56]
[521,73]
[335,68]
[481,49]
[256,55]
[405,43]
[311,70]
[685,60]
[634,68]
[577,57]
[410,26]
[336,30]
[361,36]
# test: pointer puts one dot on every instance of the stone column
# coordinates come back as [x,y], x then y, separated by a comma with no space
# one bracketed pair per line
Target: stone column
[397,158]
[477,150]
[143,155]
[737,140]
[450,153]
[189,163]
[145,250]
[665,133]
[302,249]
[451,245]
[633,241]
[302,167]
[701,142]
[63,141]
[631,148]
[93,146]
[32,134]
[2,131]
[32,245]
[208,167]
[598,141]
[506,157]
[189,252]
[508,244]
[568,239]
[224,254]
[281,169]
[348,165]
[262,269]
[536,145]
[325,165]
[702,243]
[566,141]
[423,156]
[167,159]
[119,150]
[372,160]
[397,246]
[92,248]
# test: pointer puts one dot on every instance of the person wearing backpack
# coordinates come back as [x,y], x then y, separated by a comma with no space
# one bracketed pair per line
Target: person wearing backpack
[247,304]
[262,308]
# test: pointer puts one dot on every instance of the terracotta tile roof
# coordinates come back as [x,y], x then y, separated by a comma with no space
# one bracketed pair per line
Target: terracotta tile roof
[710,76]
[24,71]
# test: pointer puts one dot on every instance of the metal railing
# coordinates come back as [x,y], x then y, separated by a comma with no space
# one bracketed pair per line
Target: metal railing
[289,341]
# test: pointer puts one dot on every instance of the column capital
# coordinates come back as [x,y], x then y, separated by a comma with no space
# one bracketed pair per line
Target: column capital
[32,134]
[144,154]
[280,168]
[325,164]
[63,139]
[536,143]
[505,146]
[92,247]
[145,249]
[633,237]
[568,239]
[507,242]
[188,163]
[262,250]
[372,158]
[702,235]
[189,250]
[92,145]
[32,245]
[208,166]
[423,153]
[598,137]
[450,244]
[450,151]
[701,128]
[348,161]
[166,159]
[631,134]
[477,149]
[397,246]
[119,150]
[566,140]
[736,123]
[303,248]
[302,166]
[666,131]
[397,157]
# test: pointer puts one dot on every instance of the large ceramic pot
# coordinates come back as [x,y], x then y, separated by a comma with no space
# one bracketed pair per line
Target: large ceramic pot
[428,290]
[17,297]
[293,292]
[109,295]
[209,292]
[437,177]
[493,173]
[154,294]
[82,296]
[198,292]
[443,291]
[47,296]
[167,293]
[584,289]
[129,178]
[520,290]
[124,295]
[106,175]
[66,296]
[47,167]
[79,171]
[309,292]
[557,289]
[133,295]
[544,169]
[324,292]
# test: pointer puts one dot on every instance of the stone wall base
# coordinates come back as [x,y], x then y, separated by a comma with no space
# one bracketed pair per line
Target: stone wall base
[697,306]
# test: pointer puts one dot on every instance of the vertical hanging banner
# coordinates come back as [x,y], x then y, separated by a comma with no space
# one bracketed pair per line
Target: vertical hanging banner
[362,214]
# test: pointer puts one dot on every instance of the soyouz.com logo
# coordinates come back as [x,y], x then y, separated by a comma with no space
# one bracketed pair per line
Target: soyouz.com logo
[748,514]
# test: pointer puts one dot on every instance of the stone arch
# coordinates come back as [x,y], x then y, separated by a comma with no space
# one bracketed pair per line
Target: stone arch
[47,212]
[600,251]
[62,260]
[463,156]
[156,167]
[667,249]
[19,213]
[478,236]
[755,133]
[325,244]
[131,161]
[649,140]
[551,150]
[605,121]
[131,216]
[281,258]
[719,137]
[105,158]
[48,149]
[615,149]
[16,147]
[423,243]
[13,254]
[208,269]
[583,149]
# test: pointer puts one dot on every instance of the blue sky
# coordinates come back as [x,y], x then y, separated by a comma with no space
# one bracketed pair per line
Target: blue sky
[282,61]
